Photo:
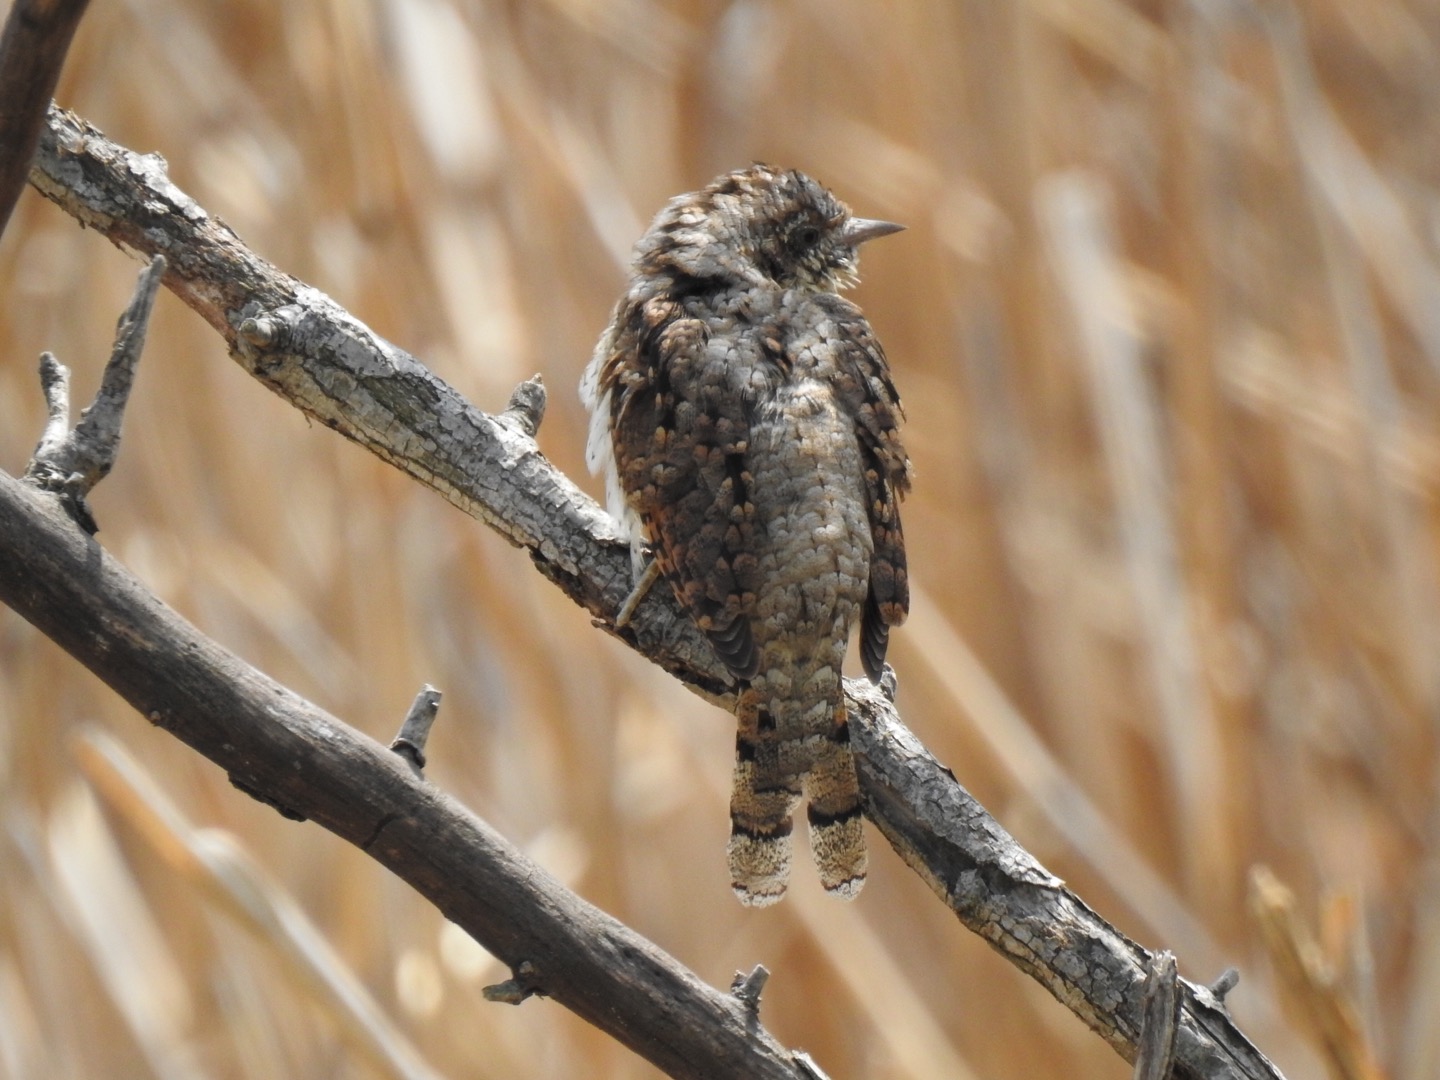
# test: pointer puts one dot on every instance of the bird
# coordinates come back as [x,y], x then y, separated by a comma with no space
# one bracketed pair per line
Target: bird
[746,423]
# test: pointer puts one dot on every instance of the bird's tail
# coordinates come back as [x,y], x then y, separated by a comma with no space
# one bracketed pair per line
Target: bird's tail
[837,838]
[782,751]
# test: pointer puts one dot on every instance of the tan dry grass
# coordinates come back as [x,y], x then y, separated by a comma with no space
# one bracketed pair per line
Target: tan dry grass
[1167,322]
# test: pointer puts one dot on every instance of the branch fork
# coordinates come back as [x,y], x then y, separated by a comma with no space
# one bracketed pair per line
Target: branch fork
[70,462]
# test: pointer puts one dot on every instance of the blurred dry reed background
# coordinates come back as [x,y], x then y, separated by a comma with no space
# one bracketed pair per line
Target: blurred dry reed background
[1167,324]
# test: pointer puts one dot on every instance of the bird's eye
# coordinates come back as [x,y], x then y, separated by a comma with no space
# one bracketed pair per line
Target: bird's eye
[806,236]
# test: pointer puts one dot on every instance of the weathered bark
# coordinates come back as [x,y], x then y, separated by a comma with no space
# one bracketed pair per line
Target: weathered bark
[307,764]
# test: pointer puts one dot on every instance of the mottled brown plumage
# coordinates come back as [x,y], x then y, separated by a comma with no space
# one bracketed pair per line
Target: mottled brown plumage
[744,417]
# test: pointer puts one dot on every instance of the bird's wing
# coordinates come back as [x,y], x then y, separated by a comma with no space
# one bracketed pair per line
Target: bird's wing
[864,389]
[681,434]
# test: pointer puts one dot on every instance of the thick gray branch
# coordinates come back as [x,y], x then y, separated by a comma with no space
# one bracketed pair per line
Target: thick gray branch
[32,51]
[307,764]
[303,346]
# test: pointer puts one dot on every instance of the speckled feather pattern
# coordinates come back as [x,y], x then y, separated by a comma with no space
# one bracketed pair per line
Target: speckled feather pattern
[744,417]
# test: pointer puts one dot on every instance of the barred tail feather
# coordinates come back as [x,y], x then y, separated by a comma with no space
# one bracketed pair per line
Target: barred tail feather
[761,802]
[776,760]
[760,842]
[837,837]
[759,863]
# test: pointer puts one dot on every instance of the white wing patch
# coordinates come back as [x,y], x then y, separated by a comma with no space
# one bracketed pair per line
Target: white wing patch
[600,459]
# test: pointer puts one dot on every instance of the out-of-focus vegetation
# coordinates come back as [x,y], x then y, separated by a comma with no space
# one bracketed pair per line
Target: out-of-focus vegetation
[1167,324]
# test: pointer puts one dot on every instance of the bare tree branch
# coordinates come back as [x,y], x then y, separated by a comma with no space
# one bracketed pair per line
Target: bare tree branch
[307,764]
[32,51]
[72,461]
[1162,1013]
[304,347]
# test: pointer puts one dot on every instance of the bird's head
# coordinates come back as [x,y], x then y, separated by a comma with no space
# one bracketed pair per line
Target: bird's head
[762,223]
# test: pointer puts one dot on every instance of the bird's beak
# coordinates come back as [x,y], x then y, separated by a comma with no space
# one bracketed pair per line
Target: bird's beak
[858,230]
